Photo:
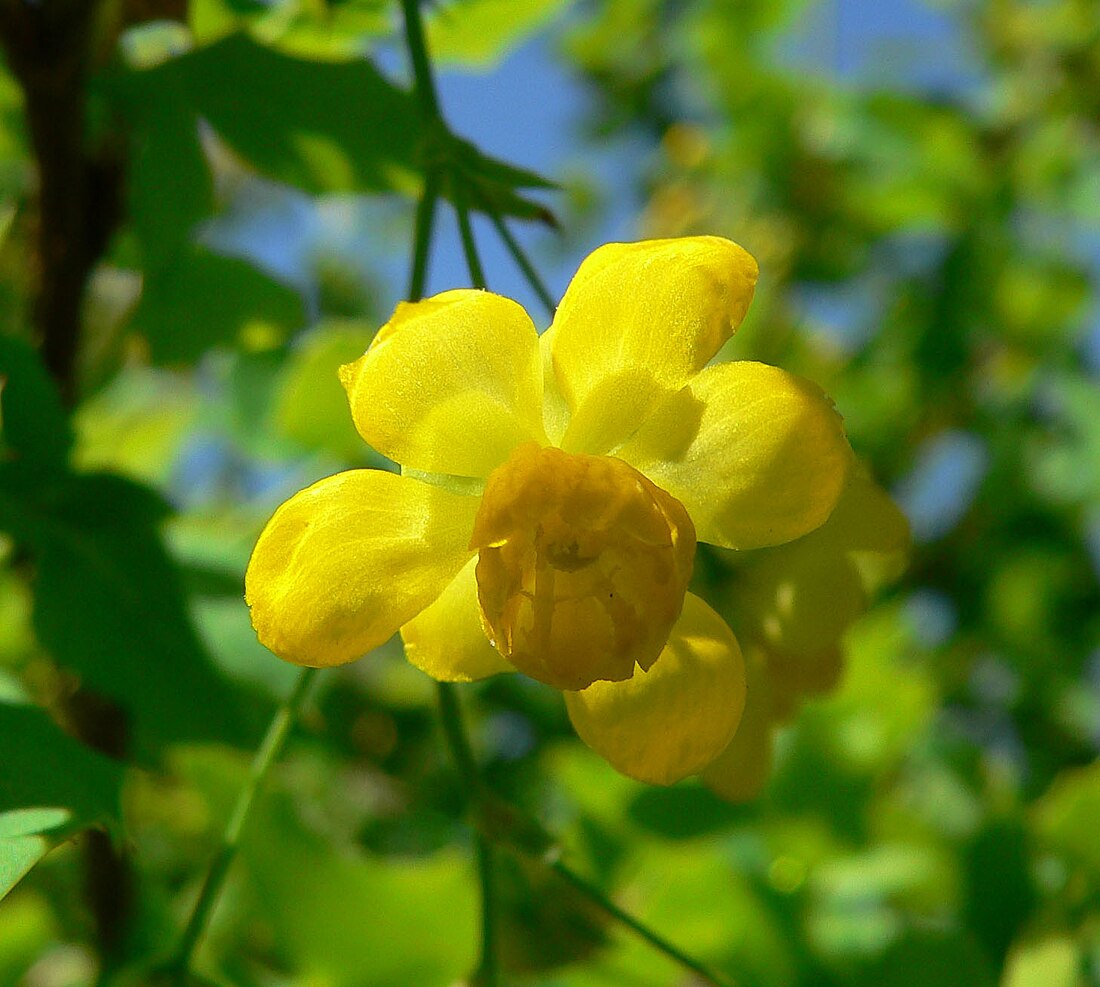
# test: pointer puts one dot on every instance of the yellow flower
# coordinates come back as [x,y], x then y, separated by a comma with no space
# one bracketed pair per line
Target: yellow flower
[551,494]
[791,606]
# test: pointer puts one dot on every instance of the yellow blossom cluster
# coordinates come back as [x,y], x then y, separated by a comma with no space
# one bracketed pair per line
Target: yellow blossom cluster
[551,493]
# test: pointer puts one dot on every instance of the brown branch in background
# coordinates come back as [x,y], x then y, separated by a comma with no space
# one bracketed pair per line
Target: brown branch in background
[108,876]
[47,47]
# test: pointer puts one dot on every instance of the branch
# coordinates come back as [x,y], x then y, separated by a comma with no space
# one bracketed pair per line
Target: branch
[79,198]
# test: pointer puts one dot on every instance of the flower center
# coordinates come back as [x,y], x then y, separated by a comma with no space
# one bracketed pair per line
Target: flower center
[582,565]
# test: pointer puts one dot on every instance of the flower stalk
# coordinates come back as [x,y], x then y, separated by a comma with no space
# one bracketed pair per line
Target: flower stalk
[466,232]
[450,715]
[523,262]
[266,756]
[486,808]
[422,238]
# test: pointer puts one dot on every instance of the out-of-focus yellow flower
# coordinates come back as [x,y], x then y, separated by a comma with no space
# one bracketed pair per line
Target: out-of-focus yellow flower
[791,607]
[551,494]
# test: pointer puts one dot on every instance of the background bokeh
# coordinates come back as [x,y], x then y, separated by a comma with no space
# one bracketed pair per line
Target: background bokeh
[920,183]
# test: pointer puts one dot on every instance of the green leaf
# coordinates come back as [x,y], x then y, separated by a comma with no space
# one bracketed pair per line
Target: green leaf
[204,299]
[1000,890]
[50,787]
[108,603]
[683,812]
[333,29]
[493,185]
[169,183]
[339,916]
[479,33]
[18,854]
[1065,817]
[1051,962]
[33,423]
[137,424]
[311,407]
[931,958]
[323,126]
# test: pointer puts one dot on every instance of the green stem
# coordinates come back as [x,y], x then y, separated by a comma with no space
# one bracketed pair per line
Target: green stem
[455,730]
[450,714]
[658,942]
[422,67]
[488,972]
[521,259]
[262,763]
[466,231]
[422,238]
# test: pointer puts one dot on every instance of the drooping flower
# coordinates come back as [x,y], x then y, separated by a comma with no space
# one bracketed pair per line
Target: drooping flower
[551,493]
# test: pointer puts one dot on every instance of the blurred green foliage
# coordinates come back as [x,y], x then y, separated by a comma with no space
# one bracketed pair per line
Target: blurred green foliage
[929,255]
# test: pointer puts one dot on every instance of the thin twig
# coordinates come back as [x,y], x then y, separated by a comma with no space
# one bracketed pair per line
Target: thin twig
[657,941]
[519,256]
[424,84]
[265,758]
[450,714]
[466,231]
[422,237]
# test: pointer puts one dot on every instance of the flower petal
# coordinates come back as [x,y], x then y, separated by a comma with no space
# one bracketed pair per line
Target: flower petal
[741,770]
[343,564]
[758,456]
[637,322]
[670,722]
[450,384]
[868,528]
[447,639]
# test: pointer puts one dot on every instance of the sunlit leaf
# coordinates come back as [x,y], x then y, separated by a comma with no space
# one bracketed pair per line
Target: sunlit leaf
[478,33]
[311,407]
[1054,961]
[332,29]
[1065,817]
[342,916]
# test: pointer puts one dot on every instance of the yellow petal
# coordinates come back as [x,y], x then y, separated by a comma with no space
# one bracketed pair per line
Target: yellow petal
[343,564]
[665,724]
[799,599]
[741,770]
[795,678]
[800,604]
[758,456]
[582,565]
[450,384]
[868,528]
[447,640]
[637,322]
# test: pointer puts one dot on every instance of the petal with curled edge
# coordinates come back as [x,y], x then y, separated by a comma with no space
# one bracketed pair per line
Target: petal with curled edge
[670,722]
[346,562]
[447,640]
[758,456]
[637,322]
[450,384]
